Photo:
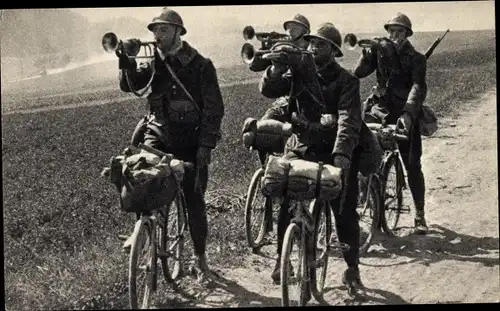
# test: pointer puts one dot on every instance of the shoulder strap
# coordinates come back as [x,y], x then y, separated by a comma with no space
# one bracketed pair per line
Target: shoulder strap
[176,79]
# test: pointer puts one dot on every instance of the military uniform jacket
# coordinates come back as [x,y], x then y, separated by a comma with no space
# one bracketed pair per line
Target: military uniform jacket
[340,90]
[199,77]
[401,75]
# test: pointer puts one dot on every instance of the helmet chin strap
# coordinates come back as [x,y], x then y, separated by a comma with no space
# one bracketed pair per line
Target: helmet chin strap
[171,45]
[172,41]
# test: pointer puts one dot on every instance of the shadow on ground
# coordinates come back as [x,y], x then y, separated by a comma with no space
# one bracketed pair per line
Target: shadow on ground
[220,293]
[439,244]
[366,295]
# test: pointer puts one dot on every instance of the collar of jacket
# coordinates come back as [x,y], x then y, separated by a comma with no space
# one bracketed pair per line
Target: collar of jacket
[406,48]
[329,71]
[301,43]
[185,54]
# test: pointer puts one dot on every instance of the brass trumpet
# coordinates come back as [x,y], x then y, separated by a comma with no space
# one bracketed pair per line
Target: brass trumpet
[352,41]
[131,47]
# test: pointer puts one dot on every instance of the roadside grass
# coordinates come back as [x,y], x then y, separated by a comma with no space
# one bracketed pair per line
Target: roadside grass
[61,220]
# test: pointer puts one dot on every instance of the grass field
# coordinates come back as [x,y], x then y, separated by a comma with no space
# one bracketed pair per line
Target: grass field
[61,220]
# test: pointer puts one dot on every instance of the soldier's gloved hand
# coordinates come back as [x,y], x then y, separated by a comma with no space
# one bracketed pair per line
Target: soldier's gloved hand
[328,120]
[277,69]
[404,122]
[125,63]
[341,161]
[132,46]
[299,120]
[203,156]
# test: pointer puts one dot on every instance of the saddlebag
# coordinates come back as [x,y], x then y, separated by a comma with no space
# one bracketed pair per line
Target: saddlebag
[300,179]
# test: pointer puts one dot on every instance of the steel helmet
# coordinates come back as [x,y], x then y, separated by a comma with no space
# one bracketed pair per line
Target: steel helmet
[328,32]
[400,20]
[298,19]
[168,16]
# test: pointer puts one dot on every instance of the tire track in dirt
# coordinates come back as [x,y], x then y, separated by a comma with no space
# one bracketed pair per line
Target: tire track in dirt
[458,261]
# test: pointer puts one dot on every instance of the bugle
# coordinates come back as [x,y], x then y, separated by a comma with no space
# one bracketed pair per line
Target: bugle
[249,33]
[131,47]
[351,41]
[258,60]
[252,56]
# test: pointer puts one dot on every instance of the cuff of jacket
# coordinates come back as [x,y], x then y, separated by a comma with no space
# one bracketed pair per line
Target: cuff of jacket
[208,140]
[411,109]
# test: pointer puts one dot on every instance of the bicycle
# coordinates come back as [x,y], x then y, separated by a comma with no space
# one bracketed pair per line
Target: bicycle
[310,228]
[152,238]
[392,160]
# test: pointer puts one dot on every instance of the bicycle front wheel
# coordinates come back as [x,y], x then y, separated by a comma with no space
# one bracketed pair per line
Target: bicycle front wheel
[369,215]
[293,236]
[142,266]
[256,206]
[322,232]
[172,239]
[392,194]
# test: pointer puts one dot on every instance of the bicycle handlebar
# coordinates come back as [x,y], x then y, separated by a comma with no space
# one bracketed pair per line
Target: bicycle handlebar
[187,165]
[389,130]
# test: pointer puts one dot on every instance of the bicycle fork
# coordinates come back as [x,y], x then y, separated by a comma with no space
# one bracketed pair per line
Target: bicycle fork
[305,221]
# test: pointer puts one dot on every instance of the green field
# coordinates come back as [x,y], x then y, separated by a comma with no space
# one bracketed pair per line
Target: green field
[61,220]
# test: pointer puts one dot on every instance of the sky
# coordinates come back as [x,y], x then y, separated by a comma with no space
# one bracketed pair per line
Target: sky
[425,16]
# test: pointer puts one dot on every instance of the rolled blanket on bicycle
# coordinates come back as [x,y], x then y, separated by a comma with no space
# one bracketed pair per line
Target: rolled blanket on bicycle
[144,180]
[301,179]
[266,135]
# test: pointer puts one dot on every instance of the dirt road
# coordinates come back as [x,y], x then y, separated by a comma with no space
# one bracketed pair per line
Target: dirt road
[458,261]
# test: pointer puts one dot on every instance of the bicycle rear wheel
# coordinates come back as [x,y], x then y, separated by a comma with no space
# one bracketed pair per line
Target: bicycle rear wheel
[142,266]
[369,215]
[256,206]
[322,232]
[392,194]
[172,239]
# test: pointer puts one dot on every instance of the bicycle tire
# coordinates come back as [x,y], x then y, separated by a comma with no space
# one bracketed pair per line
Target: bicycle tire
[142,232]
[393,161]
[172,274]
[253,191]
[374,212]
[322,260]
[293,231]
